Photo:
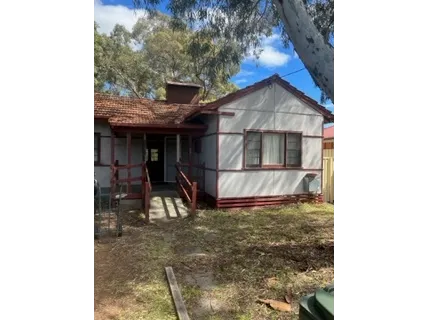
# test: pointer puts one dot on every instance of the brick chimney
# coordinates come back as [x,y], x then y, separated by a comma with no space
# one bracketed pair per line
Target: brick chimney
[183,93]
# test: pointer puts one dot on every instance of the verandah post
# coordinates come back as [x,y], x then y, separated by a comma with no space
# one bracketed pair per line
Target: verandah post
[147,202]
[190,143]
[142,184]
[178,148]
[204,165]
[129,150]
[194,198]
[112,164]
[112,147]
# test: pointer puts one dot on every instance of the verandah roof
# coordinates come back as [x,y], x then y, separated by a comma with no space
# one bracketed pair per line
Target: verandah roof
[126,111]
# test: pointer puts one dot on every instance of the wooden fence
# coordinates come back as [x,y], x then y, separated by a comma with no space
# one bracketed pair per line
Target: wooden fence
[328,176]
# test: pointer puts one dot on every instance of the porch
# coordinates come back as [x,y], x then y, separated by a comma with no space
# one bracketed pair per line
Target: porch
[157,170]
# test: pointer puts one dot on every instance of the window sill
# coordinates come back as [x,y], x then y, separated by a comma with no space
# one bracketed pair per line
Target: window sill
[97,164]
[274,168]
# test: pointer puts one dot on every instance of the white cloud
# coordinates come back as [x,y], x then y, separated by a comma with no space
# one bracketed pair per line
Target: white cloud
[271,40]
[107,16]
[241,81]
[270,56]
[296,56]
[245,73]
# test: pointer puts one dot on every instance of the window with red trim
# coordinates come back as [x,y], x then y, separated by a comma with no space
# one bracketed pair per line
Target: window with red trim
[265,149]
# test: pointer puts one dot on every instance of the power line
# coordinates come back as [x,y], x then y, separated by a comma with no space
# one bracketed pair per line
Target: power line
[288,74]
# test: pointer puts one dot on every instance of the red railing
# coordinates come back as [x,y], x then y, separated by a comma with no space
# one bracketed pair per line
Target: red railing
[197,174]
[145,184]
[186,189]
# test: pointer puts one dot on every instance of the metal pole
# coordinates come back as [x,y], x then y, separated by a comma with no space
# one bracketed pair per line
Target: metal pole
[178,148]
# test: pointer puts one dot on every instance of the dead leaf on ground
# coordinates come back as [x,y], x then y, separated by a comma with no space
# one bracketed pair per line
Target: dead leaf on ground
[277,305]
[272,282]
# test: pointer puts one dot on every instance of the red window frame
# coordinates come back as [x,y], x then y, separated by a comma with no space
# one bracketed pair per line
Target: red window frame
[267,166]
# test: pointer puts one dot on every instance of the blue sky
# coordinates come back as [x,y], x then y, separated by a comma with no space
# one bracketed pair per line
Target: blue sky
[274,58]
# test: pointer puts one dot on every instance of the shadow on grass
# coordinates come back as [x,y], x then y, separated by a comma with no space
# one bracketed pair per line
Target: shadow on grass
[240,249]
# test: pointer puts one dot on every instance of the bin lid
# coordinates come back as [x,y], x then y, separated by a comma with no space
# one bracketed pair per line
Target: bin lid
[324,301]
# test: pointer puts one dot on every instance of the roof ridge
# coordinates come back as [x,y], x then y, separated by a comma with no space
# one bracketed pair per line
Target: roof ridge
[258,85]
[163,102]
[114,96]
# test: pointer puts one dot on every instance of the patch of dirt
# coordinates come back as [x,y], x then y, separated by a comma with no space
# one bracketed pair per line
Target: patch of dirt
[204,281]
[223,261]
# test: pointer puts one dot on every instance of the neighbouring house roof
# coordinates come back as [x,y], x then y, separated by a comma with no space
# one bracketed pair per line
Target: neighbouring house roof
[328,133]
[329,117]
[126,111]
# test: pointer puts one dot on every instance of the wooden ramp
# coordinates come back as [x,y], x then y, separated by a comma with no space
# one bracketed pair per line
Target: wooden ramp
[166,205]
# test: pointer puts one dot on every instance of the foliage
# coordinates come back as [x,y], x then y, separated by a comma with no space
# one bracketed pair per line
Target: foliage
[245,21]
[139,63]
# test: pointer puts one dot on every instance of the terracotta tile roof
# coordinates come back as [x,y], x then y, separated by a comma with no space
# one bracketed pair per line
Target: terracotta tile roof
[139,111]
[328,133]
[329,117]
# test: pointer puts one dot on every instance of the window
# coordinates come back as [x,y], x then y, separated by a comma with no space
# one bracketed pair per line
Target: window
[272,149]
[293,150]
[97,144]
[253,149]
[154,153]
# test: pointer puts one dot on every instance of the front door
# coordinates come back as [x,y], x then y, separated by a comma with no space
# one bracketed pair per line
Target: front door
[155,160]
[170,159]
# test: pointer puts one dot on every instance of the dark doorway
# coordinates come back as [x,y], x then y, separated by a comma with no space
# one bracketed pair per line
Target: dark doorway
[155,158]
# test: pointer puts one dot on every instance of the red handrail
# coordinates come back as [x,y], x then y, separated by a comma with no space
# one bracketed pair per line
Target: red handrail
[145,184]
[199,178]
[187,188]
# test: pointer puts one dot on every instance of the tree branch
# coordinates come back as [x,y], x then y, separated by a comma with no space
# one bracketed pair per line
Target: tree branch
[128,81]
[316,53]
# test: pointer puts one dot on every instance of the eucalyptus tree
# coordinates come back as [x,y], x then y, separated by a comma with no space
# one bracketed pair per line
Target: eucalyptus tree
[307,24]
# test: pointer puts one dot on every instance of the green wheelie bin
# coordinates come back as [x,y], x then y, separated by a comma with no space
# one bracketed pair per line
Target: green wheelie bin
[318,305]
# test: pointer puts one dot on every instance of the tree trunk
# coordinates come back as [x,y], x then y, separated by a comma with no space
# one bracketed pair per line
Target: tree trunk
[316,53]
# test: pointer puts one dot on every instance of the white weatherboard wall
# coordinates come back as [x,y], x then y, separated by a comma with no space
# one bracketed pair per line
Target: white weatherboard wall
[103,173]
[267,109]
[208,154]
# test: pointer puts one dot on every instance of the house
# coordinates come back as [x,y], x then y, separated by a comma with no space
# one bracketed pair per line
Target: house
[328,141]
[256,146]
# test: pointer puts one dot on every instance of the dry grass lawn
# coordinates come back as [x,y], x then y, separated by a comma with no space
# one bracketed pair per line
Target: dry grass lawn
[223,262]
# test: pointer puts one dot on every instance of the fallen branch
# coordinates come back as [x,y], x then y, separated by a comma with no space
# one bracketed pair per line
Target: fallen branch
[276,305]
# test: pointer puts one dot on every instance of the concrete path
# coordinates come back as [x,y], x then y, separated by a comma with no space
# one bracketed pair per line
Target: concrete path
[166,205]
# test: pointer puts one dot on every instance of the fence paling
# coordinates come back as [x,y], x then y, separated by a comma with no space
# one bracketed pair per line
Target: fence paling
[328,179]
